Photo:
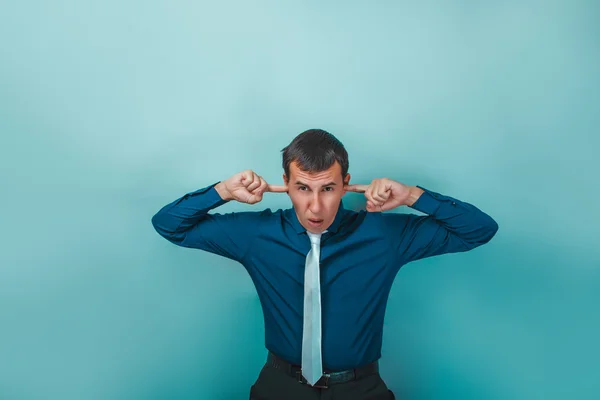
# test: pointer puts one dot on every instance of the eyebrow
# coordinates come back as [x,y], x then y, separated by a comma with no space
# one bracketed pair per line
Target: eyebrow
[327,184]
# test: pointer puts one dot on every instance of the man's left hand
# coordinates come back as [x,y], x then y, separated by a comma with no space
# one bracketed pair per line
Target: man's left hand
[385,194]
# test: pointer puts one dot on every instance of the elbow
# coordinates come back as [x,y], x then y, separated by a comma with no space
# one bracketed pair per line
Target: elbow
[159,227]
[492,229]
[484,233]
[163,229]
[488,231]
[156,224]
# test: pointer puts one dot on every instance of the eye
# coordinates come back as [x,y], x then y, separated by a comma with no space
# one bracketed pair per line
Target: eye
[327,189]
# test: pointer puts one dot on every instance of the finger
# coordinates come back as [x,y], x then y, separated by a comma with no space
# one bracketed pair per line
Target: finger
[380,195]
[255,183]
[246,178]
[245,196]
[378,198]
[277,188]
[256,195]
[374,189]
[368,195]
[373,194]
[254,198]
[383,191]
[377,203]
[262,188]
[375,208]
[371,207]
[356,188]
[249,180]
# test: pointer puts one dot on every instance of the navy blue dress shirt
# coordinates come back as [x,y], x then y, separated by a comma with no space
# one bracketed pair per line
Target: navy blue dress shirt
[360,256]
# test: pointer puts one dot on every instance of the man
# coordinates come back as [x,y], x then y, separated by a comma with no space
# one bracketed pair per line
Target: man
[322,273]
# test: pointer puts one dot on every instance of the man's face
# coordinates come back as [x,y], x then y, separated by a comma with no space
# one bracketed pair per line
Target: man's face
[316,197]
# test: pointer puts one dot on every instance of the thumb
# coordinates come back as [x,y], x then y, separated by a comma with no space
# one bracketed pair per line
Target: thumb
[373,208]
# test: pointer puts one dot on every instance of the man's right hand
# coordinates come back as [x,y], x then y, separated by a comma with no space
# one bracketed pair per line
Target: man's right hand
[246,187]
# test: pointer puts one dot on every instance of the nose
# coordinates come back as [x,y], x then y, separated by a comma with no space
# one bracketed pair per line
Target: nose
[315,205]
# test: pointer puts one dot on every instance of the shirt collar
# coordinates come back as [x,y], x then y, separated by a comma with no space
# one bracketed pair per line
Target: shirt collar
[292,218]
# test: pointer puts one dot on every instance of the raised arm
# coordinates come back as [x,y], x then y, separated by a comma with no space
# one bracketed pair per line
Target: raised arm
[186,221]
[450,225]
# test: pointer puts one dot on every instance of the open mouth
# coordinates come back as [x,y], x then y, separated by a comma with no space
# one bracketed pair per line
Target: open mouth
[315,221]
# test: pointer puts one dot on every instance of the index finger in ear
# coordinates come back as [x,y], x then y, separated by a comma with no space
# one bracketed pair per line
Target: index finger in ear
[356,188]
[277,188]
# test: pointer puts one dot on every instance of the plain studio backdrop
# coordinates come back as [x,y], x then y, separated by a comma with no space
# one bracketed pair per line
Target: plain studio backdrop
[110,110]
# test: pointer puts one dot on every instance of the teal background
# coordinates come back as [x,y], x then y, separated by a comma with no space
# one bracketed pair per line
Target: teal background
[109,110]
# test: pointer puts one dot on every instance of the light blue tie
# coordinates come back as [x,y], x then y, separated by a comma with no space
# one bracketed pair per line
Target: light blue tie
[312,365]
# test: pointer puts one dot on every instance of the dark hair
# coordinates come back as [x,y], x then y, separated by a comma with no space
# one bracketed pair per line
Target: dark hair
[315,150]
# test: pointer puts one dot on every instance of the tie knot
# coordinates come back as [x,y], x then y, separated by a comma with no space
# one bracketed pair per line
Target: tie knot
[315,238]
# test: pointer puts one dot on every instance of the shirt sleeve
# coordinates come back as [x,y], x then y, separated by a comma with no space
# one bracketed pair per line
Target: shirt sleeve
[186,222]
[450,226]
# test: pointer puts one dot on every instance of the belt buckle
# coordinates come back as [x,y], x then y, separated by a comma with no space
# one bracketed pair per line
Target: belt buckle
[303,380]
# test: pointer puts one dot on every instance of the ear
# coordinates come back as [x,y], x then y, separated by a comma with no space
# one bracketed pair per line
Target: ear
[286,181]
[346,182]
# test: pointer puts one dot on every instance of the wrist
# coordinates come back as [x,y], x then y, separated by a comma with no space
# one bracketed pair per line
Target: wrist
[414,194]
[223,192]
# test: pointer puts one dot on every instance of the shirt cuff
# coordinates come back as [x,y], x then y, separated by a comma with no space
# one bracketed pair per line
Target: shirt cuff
[429,202]
[210,196]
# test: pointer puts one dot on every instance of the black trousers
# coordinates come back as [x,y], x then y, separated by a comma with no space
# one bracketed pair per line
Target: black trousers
[275,384]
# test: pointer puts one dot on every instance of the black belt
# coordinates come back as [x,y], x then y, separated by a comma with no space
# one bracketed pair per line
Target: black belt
[328,378]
